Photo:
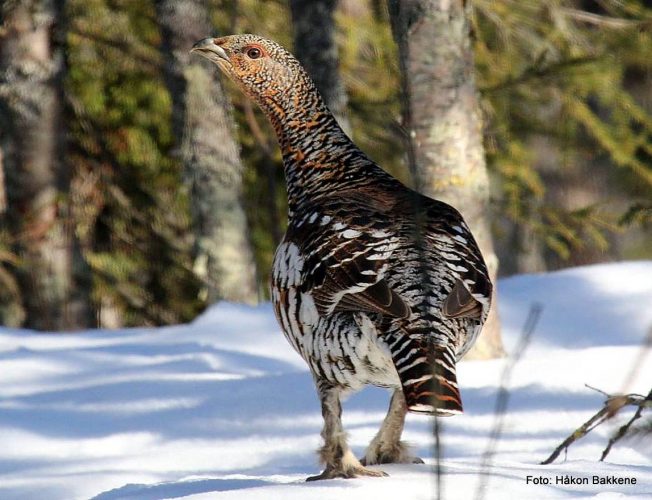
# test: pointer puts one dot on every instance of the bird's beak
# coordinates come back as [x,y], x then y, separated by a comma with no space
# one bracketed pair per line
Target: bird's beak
[211,51]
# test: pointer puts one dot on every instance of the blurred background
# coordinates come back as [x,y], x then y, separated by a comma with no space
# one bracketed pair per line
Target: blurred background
[137,187]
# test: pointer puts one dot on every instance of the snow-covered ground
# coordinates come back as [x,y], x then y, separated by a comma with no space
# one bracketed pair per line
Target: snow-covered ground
[223,408]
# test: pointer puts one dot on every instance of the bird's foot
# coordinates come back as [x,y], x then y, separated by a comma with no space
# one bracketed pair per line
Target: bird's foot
[391,460]
[397,453]
[347,473]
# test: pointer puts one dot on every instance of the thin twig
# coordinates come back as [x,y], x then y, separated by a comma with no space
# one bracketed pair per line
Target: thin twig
[256,129]
[536,71]
[580,432]
[503,397]
[623,429]
[142,58]
[597,390]
[600,20]
[611,407]
[269,168]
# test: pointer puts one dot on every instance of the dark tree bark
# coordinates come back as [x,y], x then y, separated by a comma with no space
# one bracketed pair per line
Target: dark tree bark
[204,127]
[11,310]
[315,47]
[32,137]
[574,182]
[443,121]
[3,193]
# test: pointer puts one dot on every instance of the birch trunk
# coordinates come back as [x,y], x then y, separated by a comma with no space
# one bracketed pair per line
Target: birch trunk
[204,127]
[32,138]
[443,120]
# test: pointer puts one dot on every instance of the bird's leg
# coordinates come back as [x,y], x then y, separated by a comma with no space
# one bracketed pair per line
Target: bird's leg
[386,447]
[335,454]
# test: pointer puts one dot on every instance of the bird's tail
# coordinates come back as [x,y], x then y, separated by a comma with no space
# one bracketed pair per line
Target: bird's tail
[428,377]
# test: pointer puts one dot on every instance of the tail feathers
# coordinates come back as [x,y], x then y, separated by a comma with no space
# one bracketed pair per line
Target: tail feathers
[428,377]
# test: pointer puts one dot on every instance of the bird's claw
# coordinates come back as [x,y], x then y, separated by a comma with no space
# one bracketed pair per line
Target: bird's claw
[349,473]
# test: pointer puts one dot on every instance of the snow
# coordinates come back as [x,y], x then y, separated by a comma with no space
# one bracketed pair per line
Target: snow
[223,408]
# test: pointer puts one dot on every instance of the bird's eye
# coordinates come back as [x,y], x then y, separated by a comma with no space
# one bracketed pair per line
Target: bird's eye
[254,53]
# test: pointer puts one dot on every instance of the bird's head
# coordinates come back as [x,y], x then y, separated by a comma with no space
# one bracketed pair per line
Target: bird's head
[260,67]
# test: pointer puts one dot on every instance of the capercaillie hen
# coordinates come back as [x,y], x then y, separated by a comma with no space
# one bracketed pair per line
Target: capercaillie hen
[373,283]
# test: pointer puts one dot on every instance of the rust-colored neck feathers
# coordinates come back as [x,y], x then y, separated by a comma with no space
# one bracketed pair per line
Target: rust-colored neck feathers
[318,157]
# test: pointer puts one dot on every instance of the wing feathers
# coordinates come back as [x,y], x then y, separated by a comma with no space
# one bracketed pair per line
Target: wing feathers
[461,304]
[379,298]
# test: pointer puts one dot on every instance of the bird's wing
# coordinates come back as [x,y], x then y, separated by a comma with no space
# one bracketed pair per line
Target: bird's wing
[346,248]
[451,239]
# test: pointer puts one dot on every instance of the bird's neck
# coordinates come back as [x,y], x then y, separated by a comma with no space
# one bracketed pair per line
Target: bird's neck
[318,156]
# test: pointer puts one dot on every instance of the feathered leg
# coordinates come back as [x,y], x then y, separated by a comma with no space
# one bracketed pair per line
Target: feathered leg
[335,454]
[386,447]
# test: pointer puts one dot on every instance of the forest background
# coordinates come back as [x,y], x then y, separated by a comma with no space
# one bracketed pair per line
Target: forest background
[137,187]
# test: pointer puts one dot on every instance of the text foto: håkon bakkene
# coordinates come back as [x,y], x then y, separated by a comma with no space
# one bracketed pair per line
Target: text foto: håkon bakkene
[567,479]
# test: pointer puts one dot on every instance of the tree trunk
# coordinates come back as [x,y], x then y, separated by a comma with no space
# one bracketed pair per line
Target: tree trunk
[315,47]
[32,137]
[204,128]
[442,117]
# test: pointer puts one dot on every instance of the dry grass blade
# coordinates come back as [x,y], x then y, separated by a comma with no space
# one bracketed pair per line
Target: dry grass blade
[503,397]
[436,430]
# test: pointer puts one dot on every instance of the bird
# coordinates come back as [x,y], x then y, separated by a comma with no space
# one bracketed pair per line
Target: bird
[373,283]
